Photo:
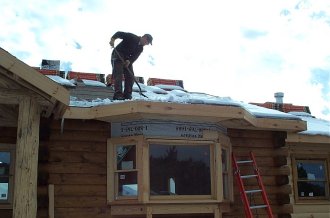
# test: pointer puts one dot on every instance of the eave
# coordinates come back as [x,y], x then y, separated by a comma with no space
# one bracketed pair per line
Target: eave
[19,80]
[227,116]
[306,138]
[24,74]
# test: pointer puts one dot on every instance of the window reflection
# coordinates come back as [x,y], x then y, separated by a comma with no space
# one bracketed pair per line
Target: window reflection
[180,170]
[126,173]
[311,178]
[4,174]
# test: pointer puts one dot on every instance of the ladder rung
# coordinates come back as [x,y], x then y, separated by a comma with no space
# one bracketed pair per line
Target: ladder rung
[253,191]
[248,176]
[258,206]
[244,161]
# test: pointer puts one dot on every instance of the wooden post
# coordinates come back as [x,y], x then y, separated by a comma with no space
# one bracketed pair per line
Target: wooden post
[51,196]
[25,185]
[149,212]
[217,213]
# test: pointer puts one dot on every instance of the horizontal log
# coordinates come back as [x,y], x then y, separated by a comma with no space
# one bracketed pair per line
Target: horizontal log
[85,125]
[77,157]
[256,199]
[80,201]
[80,190]
[266,171]
[269,181]
[262,152]
[236,133]
[80,135]
[78,146]
[312,208]
[95,212]
[261,161]
[285,189]
[252,143]
[277,209]
[311,215]
[75,168]
[73,179]
[313,149]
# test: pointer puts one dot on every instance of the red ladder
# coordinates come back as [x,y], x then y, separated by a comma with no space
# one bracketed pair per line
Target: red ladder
[248,207]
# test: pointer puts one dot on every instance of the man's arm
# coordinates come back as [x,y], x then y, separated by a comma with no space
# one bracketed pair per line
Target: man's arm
[117,35]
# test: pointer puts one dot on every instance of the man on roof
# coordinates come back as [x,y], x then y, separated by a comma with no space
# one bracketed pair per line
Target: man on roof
[122,58]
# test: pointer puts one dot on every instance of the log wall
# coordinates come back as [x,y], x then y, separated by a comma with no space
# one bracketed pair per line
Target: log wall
[75,162]
[271,156]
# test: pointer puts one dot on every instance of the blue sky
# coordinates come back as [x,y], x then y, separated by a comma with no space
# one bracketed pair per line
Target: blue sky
[247,50]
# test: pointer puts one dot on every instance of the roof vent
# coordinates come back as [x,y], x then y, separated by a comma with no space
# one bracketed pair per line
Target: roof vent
[279,97]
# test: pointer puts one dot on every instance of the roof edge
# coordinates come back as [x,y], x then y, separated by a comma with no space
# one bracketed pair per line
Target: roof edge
[33,77]
[217,113]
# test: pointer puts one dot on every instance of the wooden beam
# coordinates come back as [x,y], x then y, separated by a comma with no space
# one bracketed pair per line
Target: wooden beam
[33,77]
[228,116]
[282,124]
[304,138]
[51,196]
[25,192]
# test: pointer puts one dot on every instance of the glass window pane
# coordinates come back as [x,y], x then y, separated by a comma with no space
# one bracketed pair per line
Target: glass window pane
[311,189]
[126,157]
[4,163]
[127,183]
[180,170]
[4,189]
[310,171]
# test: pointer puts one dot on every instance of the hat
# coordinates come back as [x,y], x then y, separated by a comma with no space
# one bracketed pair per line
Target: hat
[149,38]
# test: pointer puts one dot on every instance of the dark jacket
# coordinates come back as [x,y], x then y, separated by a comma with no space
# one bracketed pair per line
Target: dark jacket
[129,47]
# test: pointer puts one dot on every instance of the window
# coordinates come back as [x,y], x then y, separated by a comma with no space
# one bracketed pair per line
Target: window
[126,173]
[123,170]
[150,170]
[6,173]
[180,169]
[311,179]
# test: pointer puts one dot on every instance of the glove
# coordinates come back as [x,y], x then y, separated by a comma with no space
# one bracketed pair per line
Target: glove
[112,42]
[126,64]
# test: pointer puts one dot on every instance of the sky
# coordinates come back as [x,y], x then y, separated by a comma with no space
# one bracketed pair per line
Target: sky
[245,50]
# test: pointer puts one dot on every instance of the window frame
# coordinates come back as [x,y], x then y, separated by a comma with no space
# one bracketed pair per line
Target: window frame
[310,159]
[143,169]
[8,204]
[112,184]
[182,142]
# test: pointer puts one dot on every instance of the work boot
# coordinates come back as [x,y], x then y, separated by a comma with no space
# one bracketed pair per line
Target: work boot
[128,95]
[118,96]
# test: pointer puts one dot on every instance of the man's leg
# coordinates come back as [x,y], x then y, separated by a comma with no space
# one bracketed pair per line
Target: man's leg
[129,81]
[118,77]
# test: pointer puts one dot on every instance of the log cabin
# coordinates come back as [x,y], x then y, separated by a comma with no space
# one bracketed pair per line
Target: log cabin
[64,155]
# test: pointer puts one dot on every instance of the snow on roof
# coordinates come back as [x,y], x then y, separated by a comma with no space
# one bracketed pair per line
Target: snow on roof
[60,80]
[314,126]
[178,95]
